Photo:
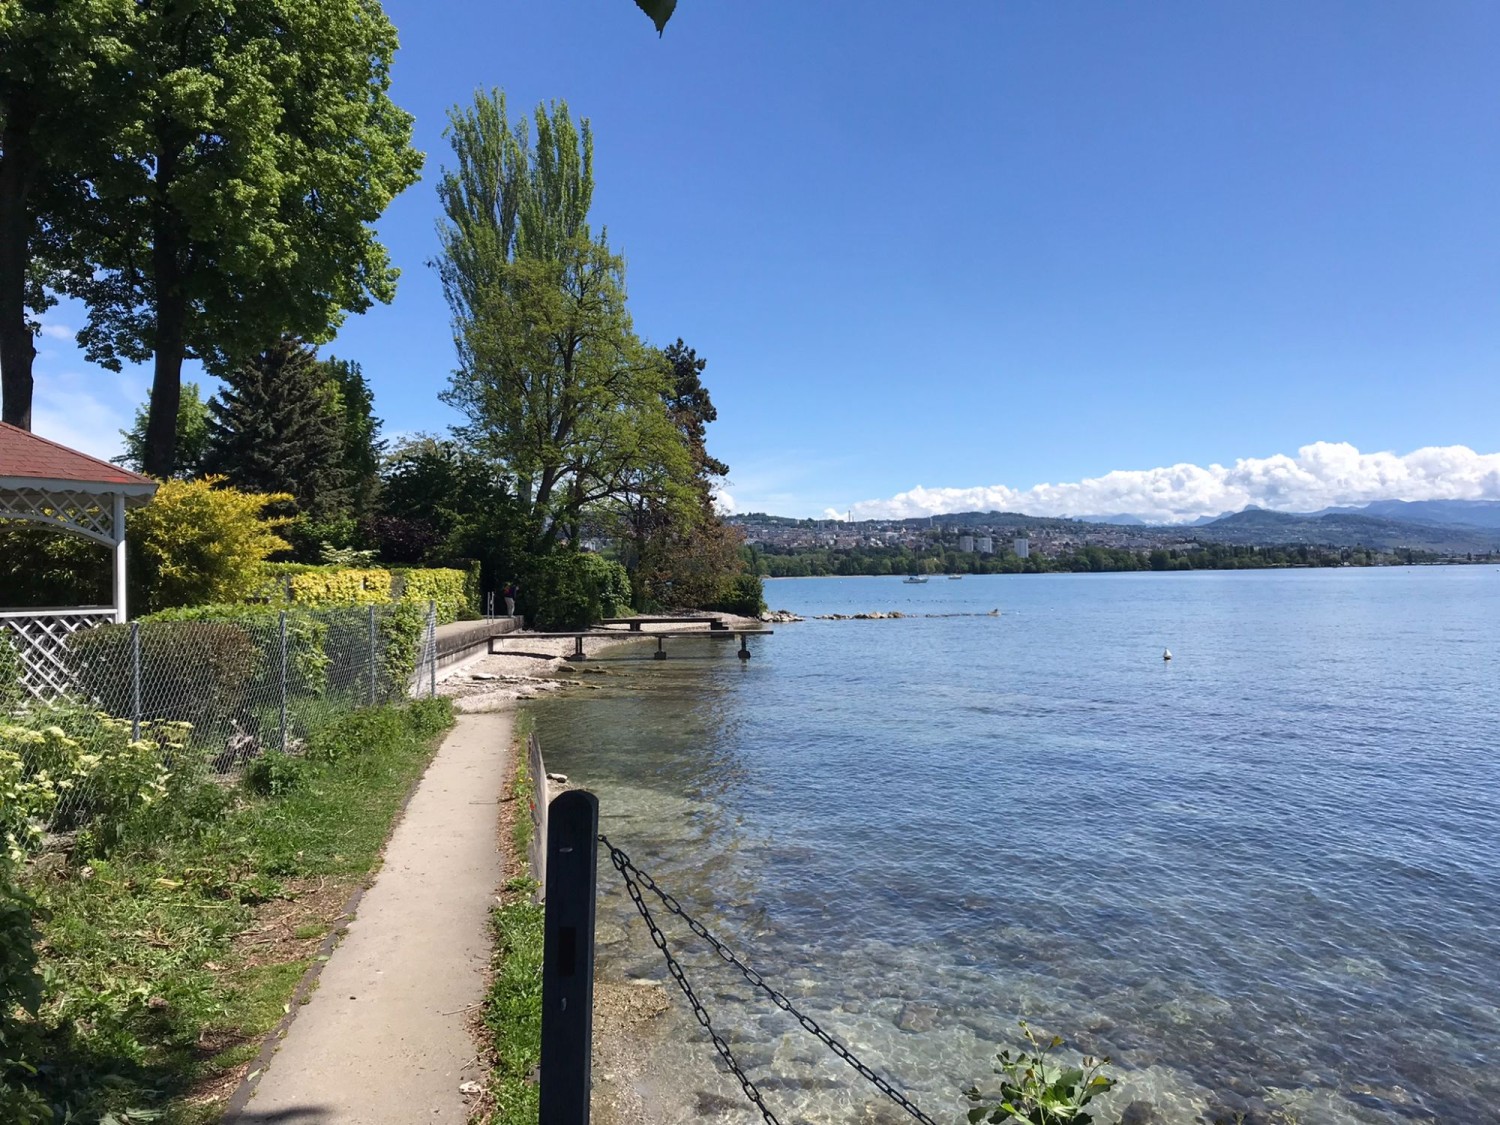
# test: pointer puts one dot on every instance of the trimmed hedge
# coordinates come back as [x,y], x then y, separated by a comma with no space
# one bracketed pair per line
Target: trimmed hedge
[445,588]
[338,586]
[453,591]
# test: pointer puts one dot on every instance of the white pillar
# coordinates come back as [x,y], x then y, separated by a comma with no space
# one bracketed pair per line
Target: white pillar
[119,529]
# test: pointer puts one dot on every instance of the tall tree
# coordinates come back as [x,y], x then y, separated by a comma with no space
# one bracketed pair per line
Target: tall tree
[359,433]
[552,380]
[62,72]
[682,551]
[240,206]
[692,409]
[273,428]
[192,435]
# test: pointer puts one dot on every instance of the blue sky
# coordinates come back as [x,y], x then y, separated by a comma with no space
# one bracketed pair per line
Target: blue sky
[983,243]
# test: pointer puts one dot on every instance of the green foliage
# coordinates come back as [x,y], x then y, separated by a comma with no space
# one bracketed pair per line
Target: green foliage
[1037,1091]
[59,113]
[192,435]
[513,1008]
[324,586]
[573,589]
[11,690]
[236,200]
[400,630]
[345,557]
[78,770]
[359,432]
[448,589]
[277,426]
[142,968]
[41,566]
[744,594]
[552,380]
[197,671]
[351,734]
[20,992]
[197,543]
[274,774]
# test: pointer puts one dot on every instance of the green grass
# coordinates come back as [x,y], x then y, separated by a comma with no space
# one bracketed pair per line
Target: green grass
[523,788]
[513,1007]
[148,1000]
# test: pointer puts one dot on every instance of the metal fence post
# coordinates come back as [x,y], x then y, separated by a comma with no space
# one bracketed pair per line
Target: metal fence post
[372,656]
[135,681]
[283,681]
[432,649]
[568,958]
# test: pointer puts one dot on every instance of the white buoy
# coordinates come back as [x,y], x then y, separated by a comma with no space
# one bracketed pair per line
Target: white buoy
[1166,654]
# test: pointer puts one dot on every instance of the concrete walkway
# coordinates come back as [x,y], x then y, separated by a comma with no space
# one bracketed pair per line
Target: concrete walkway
[384,1039]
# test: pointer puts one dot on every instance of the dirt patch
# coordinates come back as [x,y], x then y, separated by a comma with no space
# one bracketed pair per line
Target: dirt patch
[291,926]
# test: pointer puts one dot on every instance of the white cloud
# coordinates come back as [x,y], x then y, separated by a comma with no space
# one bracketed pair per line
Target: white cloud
[1321,475]
[723,501]
[85,412]
[57,331]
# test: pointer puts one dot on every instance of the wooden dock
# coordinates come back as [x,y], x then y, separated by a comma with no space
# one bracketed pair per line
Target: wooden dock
[578,636]
[635,623]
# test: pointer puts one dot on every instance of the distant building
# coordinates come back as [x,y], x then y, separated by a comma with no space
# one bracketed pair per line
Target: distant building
[1023,548]
[965,543]
[986,545]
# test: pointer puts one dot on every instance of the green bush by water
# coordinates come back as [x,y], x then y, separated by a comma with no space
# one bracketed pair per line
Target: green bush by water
[744,595]
[575,589]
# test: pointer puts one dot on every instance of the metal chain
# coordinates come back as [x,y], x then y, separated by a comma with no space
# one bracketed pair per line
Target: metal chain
[635,878]
[622,862]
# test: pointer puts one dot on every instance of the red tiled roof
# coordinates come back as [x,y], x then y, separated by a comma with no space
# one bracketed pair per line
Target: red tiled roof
[23,454]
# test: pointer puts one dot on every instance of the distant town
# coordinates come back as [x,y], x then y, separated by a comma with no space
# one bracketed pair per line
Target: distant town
[1385,533]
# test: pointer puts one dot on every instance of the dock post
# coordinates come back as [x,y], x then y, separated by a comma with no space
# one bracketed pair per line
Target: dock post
[568,958]
[578,647]
[661,653]
[744,653]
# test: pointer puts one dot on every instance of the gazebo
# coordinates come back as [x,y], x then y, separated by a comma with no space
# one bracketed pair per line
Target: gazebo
[75,494]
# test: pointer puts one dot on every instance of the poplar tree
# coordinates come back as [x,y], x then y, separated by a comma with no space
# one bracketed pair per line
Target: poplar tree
[553,382]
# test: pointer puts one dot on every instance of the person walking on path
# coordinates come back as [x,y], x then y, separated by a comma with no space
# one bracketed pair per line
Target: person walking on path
[510,593]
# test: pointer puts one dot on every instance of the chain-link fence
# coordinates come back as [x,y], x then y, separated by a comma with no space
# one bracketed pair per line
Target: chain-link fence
[189,696]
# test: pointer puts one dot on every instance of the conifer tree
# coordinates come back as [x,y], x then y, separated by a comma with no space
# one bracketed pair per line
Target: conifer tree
[275,428]
[354,407]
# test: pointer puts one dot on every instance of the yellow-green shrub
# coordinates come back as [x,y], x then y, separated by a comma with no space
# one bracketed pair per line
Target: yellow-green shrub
[197,542]
[443,587]
[341,586]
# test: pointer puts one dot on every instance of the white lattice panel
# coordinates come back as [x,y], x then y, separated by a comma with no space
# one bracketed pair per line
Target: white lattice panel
[41,640]
[83,513]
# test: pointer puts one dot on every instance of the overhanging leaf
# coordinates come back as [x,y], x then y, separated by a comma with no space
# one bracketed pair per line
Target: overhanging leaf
[660,11]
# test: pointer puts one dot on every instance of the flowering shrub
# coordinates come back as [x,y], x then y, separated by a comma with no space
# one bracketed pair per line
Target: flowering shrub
[83,770]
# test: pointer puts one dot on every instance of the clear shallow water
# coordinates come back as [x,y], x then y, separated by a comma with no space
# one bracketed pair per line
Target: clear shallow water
[1265,875]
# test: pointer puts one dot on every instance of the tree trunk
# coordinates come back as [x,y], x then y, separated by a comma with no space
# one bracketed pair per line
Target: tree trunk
[160,455]
[17,175]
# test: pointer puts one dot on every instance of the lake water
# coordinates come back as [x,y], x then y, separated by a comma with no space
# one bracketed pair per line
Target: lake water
[1264,877]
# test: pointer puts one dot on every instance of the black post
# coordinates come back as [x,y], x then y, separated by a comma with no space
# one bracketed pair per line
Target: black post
[568,958]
